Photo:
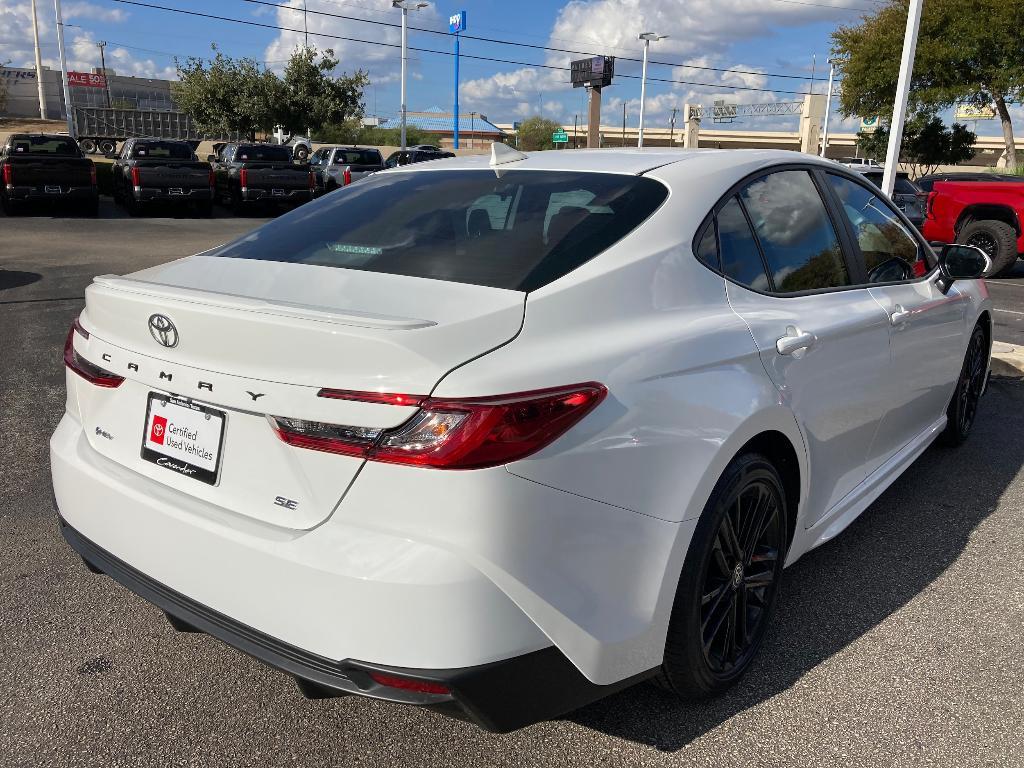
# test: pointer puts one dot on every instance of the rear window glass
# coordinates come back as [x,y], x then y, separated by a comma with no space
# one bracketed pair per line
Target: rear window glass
[261,153]
[518,230]
[163,149]
[44,145]
[357,157]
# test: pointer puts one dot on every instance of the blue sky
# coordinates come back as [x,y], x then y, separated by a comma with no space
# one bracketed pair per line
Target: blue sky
[764,46]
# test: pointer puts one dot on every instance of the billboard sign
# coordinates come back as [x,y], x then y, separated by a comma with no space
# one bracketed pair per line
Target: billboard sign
[869,124]
[457,22]
[597,71]
[974,112]
[87,80]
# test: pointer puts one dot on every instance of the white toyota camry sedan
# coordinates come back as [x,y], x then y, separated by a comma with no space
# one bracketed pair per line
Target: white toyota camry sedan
[501,435]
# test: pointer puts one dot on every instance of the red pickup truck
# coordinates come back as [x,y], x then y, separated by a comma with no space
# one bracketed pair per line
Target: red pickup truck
[986,214]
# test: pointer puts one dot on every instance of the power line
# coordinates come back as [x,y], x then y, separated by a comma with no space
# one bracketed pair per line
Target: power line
[833,7]
[534,46]
[247,22]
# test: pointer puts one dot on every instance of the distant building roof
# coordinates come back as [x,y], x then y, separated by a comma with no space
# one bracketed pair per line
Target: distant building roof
[437,121]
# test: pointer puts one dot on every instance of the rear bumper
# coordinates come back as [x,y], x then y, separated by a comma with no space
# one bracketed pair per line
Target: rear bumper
[251,195]
[153,194]
[499,697]
[31,194]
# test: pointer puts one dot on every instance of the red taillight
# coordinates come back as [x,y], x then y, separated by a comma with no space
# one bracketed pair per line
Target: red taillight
[408,684]
[449,433]
[136,177]
[8,174]
[243,178]
[346,177]
[92,174]
[88,371]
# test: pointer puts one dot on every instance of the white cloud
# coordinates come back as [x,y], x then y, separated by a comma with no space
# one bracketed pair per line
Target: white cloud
[83,10]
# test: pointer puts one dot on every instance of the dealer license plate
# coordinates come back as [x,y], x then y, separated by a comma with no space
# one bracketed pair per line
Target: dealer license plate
[184,437]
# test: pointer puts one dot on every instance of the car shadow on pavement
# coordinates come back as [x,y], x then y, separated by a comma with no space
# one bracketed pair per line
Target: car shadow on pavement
[13,278]
[838,592]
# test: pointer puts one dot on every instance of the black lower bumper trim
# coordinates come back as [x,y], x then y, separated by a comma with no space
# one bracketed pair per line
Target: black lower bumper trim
[500,697]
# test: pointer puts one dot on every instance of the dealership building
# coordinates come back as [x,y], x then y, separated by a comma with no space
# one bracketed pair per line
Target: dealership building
[88,89]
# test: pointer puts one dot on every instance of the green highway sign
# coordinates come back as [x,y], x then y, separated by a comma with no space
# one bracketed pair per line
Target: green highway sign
[559,137]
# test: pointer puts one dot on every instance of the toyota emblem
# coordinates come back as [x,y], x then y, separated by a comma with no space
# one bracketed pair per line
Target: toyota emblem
[163,331]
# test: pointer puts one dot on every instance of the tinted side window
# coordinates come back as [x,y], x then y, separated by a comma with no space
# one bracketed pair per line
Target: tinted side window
[890,252]
[741,259]
[796,234]
[707,248]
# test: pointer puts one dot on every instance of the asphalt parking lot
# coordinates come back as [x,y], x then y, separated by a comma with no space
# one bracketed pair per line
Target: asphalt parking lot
[899,643]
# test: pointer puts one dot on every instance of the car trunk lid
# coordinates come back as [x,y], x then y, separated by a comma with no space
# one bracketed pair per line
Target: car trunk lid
[262,342]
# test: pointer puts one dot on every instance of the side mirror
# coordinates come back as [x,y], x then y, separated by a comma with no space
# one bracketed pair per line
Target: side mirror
[962,262]
[211,158]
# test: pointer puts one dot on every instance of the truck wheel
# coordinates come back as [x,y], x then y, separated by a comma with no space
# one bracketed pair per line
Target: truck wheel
[9,206]
[301,152]
[107,146]
[237,205]
[133,205]
[88,146]
[997,239]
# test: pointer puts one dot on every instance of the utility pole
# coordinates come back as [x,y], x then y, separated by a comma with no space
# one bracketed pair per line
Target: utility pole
[39,65]
[828,106]
[672,126]
[575,122]
[103,65]
[899,112]
[405,6]
[647,37]
[64,67]
[305,23]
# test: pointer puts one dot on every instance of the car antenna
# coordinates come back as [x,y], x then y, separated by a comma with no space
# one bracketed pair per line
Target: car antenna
[503,153]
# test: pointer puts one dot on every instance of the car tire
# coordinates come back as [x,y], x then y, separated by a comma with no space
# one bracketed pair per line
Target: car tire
[963,407]
[236,204]
[88,146]
[133,206]
[107,146]
[9,207]
[997,239]
[726,581]
[301,152]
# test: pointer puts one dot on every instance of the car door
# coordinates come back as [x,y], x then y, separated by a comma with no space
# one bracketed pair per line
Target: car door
[927,332]
[823,342]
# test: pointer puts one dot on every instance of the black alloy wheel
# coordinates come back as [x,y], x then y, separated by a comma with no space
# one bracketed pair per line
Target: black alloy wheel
[741,578]
[986,242]
[963,408]
[730,581]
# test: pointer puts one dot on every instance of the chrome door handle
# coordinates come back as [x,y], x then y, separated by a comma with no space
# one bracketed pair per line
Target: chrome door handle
[899,315]
[795,342]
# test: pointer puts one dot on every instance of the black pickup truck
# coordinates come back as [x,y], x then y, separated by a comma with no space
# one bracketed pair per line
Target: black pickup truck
[49,168]
[161,171]
[251,174]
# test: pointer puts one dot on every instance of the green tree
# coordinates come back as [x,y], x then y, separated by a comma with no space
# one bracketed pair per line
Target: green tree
[312,98]
[535,133]
[927,143]
[966,52]
[224,95]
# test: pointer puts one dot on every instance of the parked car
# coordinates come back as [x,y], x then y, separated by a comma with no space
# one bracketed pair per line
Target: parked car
[927,183]
[149,171]
[335,167]
[908,197]
[260,174]
[500,440]
[858,162]
[984,214]
[427,148]
[46,167]
[409,156]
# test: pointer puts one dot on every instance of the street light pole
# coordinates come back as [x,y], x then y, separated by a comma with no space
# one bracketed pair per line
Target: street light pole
[647,37]
[64,67]
[899,112]
[103,65]
[39,65]
[828,106]
[405,6]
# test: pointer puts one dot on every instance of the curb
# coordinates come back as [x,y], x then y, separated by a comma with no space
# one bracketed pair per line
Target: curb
[1007,360]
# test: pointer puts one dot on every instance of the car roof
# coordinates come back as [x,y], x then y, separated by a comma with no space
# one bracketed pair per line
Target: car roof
[628,161]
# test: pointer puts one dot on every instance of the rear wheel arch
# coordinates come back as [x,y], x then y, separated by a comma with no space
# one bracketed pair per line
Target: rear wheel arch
[1001,213]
